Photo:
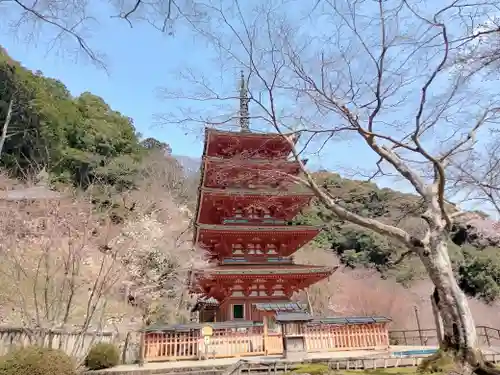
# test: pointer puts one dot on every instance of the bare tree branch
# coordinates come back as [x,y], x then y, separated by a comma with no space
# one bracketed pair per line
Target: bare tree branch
[383,74]
[6,124]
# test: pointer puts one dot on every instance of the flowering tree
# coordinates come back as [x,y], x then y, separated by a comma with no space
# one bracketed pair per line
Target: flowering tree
[479,51]
[381,75]
[158,265]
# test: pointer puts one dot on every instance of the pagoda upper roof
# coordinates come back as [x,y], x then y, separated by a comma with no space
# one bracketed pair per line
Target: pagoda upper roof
[225,144]
[249,173]
[222,206]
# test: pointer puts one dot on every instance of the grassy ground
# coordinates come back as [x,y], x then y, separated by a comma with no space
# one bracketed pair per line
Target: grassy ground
[322,369]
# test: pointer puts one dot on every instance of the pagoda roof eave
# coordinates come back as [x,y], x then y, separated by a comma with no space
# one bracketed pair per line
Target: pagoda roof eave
[277,228]
[294,136]
[298,270]
[243,192]
[250,161]
[221,228]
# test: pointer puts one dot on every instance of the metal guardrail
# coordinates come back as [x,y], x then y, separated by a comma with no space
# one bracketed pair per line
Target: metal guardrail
[488,336]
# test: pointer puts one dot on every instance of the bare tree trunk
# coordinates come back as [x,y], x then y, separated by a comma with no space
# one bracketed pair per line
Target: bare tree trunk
[309,304]
[6,123]
[459,340]
[437,318]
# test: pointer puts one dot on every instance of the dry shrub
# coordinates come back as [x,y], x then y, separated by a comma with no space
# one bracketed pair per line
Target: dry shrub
[101,356]
[35,360]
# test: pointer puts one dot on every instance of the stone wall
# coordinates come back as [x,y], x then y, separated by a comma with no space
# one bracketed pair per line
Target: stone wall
[73,343]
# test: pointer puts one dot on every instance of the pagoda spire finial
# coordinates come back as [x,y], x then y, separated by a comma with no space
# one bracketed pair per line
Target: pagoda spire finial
[244,115]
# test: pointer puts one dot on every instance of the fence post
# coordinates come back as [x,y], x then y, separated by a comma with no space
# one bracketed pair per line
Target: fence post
[487,336]
[142,348]
[418,326]
[125,348]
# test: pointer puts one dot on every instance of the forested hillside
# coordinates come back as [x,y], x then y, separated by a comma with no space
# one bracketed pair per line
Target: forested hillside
[78,140]
[475,255]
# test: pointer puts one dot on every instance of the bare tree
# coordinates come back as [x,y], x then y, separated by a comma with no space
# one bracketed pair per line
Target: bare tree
[477,176]
[71,24]
[379,74]
[162,176]
[58,280]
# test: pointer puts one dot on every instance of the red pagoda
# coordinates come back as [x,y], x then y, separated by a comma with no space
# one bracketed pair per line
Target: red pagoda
[246,200]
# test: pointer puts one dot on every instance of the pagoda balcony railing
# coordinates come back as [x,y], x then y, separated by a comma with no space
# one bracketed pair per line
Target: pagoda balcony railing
[256,221]
[262,259]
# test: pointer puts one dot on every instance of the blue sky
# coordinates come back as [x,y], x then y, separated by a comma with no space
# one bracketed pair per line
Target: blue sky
[139,60]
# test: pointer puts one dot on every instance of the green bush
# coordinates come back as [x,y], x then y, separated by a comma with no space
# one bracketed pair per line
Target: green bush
[35,360]
[101,356]
[311,369]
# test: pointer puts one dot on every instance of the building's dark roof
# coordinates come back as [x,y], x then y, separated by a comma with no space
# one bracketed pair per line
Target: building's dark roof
[351,320]
[280,306]
[293,317]
[248,324]
[205,302]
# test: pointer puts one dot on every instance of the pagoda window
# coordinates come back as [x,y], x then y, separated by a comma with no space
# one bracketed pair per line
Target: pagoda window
[237,249]
[258,249]
[251,248]
[253,213]
[271,249]
[238,311]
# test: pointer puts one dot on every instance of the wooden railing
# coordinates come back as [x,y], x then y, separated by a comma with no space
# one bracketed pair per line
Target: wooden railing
[334,338]
[488,336]
[251,341]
